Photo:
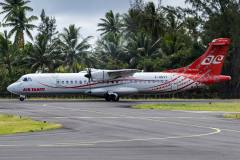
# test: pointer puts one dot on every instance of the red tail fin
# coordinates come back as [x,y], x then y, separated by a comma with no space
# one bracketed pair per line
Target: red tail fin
[211,61]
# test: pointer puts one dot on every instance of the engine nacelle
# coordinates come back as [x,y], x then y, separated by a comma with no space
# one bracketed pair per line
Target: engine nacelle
[100,75]
[103,75]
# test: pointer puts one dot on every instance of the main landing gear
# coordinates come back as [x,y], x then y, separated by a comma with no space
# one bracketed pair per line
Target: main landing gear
[112,97]
[22,98]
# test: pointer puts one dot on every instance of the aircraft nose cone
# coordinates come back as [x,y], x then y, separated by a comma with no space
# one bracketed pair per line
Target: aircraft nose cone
[12,88]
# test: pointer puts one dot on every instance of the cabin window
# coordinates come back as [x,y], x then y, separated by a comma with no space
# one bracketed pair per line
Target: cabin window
[58,82]
[80,82]
[62,82]
[67,82]
[85,82]
[71,82]
[76,82]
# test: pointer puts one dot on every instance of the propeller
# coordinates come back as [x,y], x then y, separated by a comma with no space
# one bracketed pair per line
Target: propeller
[89,75]
[90,79]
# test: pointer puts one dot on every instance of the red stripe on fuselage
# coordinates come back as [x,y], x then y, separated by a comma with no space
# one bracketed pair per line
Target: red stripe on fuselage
[92,84]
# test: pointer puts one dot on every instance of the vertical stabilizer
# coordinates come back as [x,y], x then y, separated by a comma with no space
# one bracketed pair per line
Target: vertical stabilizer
[211,61]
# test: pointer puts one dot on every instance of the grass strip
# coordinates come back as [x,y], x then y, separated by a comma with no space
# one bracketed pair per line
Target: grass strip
[10,124]
[225,107]
[232,116]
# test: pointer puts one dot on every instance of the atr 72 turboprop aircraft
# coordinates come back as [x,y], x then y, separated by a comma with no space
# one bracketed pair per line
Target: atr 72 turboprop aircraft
[112,84]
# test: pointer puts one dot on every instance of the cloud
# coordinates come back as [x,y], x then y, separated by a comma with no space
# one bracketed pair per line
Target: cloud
[83,7]
[169,2]
[88,24]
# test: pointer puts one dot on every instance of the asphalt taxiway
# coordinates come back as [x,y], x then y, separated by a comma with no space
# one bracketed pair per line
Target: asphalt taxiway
[97,130]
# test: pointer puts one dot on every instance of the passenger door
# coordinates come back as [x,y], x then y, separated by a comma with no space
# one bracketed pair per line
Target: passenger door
[59,82]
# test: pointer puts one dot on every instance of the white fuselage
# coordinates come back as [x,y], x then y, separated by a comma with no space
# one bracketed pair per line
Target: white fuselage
[77,83]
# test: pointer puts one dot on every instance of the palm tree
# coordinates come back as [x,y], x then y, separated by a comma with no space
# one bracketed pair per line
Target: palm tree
[20,24]
[132,21]
[174,31]
[74,52]
[45,56]
[147,18]
[111,23]
[143,50]
[10,6]
[111,52]
[16,18]
[153,21]
[7,52]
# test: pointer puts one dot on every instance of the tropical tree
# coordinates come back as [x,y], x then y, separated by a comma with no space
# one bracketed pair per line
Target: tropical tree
[7,53]
[143,51]
[153,18]
[9,7]
[174,29]
[74,51]
[222,19]
[144,17]
[132,21]
[111,52]
[48,26]
[110,24]
[20,25]
[45,56]
[16,18]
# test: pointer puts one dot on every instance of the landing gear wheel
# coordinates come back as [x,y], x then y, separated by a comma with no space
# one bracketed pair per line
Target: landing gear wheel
[112,97]
[21,99]
[115,99]
[107,98]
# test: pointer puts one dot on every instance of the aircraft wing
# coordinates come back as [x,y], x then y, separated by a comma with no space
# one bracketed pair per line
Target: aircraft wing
[113,74]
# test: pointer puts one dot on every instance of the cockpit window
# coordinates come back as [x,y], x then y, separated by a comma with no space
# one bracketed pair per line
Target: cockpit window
[27,79]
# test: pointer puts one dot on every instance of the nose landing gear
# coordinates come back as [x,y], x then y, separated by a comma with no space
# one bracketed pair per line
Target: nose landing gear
[112,97]
[22,98]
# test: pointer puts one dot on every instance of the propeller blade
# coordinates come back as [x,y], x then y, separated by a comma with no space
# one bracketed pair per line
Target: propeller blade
[89,75]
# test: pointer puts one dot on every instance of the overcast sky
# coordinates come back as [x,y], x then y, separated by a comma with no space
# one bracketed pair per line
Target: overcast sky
[84,13]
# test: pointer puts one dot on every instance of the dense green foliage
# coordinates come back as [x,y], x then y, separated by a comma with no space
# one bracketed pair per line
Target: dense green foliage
[148,37]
